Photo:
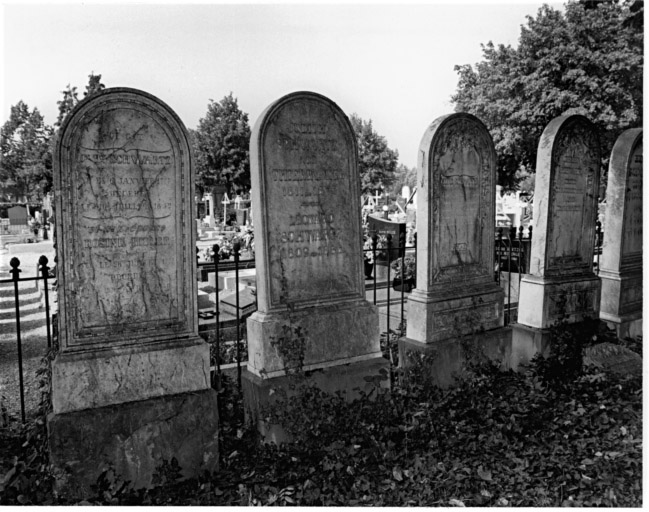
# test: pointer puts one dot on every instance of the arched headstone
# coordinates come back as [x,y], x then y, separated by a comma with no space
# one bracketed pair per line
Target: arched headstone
[621,261]
[308,240]
[456,294]
[131,384]
[561,284]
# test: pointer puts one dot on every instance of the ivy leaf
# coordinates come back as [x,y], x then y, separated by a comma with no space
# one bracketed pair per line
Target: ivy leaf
[484,475]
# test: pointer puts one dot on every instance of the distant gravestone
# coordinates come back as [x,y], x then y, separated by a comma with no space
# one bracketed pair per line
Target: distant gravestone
[561,284]
[130,356]
[17,215]
[621,261]
[305,202]
[456,294]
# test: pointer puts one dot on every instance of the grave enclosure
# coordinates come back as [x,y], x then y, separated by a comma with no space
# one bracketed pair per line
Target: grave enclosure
[131,383]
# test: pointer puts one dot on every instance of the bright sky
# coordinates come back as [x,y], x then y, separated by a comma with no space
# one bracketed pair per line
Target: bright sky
[389,63]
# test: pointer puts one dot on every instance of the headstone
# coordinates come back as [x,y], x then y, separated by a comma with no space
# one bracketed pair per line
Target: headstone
[621,260]
[561,284]
[131,383]
[384,227]
[305,201]
[456,294]
[17,215]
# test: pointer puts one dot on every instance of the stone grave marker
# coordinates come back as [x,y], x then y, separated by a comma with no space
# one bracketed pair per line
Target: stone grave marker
[456,294]
[131,383]
[621,260]
[305,202]
[561,284]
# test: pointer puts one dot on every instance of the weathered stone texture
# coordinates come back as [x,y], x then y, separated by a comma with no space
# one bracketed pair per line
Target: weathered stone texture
[124,374]
[565,211]
[134,439]
[455,293]
[305,200]
[621,260]
[124,218]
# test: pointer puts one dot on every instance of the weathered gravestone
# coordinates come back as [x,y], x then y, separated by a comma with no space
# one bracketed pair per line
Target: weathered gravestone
[131,383]
[312,311]
[621,261]
[456,294]
[561,284]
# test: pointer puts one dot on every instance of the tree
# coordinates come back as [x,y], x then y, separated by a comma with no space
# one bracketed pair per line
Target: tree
[377,163]
[94,85]
[221,146]
[26,166]
[71,97]
[404,176]
[588,60]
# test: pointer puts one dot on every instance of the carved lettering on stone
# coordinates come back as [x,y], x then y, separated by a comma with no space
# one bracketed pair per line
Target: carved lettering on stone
[311,226]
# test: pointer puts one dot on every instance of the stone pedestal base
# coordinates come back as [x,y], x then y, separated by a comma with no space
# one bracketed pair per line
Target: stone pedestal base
[447,359]
[621,302]
[260,393]
[130,373]
[329,335]
[134,439]
[626,328]
[544,301]
[435,317]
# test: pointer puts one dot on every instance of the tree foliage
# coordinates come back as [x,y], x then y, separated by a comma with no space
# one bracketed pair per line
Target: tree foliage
[71,97]
[377,163]
[94,85]
[66,104]
[588,60]
[404,176]
[221,146]
[28,145]
[26,166]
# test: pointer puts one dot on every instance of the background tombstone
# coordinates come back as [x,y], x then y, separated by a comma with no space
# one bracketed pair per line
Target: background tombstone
[561,283]
[621,262]
[130,385]
[456,293]
[310,289]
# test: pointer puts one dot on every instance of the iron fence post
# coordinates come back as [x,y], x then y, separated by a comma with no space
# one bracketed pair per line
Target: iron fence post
[402,250]
[374,242]
[521,257]
[15,271]
[500,244]
[215,258]
[45,273]
[387,316]
[598,241]
[235,247]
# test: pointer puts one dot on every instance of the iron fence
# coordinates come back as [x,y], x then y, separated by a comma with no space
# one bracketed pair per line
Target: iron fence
[43,273]
[397,263]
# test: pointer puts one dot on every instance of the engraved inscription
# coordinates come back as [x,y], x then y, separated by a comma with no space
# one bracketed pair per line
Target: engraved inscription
[571,223]
[571,302]
[632,225]
[311,230]
[124,196]
[459,174]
